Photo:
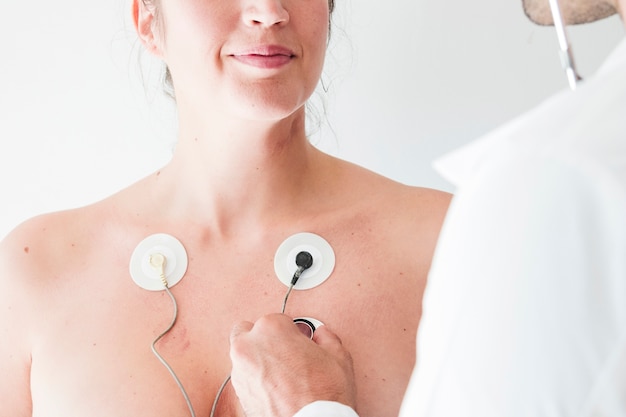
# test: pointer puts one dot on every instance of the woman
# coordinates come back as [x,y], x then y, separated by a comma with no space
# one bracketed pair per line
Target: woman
[77,330]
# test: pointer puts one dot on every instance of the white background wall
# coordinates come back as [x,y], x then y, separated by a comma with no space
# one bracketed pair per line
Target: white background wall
[409,80]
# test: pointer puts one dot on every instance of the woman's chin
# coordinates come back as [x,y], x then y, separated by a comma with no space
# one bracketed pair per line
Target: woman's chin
[267,109]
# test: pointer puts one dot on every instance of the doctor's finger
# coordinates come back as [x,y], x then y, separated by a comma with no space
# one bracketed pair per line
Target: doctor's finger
[323,336]
[243,327]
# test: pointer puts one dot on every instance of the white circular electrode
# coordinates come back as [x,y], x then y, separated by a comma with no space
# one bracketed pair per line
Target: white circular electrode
[146,275]
[323,260]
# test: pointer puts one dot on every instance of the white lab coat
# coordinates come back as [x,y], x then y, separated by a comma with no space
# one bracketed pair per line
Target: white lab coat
[525,309]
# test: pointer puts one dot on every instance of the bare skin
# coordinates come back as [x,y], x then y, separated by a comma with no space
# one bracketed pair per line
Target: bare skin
[80,329]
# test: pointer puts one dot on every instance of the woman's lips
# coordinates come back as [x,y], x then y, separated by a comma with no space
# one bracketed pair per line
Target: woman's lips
[269,57]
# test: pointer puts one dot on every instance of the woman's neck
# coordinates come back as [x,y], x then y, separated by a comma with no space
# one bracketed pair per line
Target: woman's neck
[232,172]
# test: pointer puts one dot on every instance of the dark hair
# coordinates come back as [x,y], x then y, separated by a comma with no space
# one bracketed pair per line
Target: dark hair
[167,75]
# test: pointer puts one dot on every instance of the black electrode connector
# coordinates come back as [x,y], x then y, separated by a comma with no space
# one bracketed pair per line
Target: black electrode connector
[304,260]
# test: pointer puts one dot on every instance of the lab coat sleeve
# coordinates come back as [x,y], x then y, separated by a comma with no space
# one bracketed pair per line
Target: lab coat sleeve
[326,409]
[525,309]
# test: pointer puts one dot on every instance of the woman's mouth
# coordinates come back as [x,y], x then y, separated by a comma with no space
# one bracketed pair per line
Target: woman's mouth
[267,56]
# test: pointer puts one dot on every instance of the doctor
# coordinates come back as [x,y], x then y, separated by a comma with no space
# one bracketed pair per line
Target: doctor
[525,310]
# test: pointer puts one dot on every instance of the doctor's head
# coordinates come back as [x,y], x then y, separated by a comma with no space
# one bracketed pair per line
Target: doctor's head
[573,11]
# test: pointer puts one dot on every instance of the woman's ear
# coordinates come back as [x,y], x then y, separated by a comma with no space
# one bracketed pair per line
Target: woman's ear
[144,20]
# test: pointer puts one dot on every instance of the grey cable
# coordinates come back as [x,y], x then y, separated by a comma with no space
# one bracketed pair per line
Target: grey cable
[218,395]
[303,260]
[282,311]
[171,370]
[223,386]
[162,359]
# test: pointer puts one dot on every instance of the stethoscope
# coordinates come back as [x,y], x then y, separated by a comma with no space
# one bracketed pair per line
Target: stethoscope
[565,50]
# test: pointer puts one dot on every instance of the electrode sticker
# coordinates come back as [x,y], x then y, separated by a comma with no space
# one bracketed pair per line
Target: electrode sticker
[323,260]
[145,275]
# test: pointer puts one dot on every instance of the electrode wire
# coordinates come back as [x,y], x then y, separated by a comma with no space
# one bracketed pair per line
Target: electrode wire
[157,261]
[223,386]
[302,265]
[219,394]
[282,311]
[304,260]
[162,359]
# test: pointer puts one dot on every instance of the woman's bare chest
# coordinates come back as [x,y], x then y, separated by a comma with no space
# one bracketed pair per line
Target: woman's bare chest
[96,353]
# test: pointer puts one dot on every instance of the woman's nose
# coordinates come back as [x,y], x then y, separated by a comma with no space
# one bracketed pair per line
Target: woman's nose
[265,13]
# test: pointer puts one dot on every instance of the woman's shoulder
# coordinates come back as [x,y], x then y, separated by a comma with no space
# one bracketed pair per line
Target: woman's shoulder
[379,189]
[42,245]
[395,212]
[37,242]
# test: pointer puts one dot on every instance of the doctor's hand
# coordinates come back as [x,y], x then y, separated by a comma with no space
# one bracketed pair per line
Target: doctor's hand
[277,370]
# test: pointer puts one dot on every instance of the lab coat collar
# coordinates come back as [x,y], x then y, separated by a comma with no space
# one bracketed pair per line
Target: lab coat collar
[460,165]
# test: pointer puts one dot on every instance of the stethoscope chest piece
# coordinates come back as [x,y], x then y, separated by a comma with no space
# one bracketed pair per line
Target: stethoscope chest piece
[145,275]
[323,260]
[307,325]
